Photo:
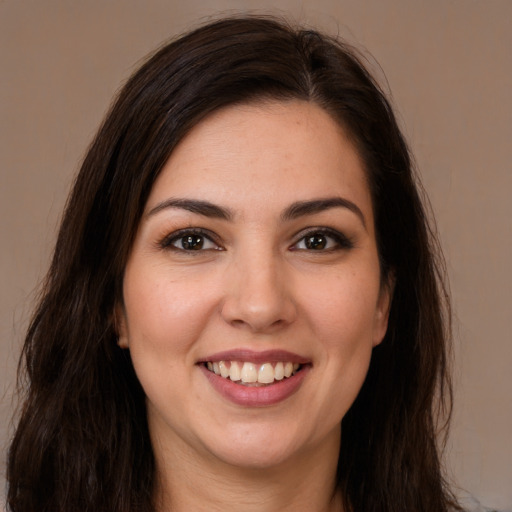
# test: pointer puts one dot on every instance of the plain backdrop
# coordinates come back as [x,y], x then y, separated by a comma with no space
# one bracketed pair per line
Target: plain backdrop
[448,66]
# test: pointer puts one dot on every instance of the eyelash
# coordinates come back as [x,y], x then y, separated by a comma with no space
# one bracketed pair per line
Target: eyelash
[341,241]
[168,241]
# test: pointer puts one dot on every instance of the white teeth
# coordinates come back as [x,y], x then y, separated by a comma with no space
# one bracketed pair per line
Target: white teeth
[234,371]
[279,371]
[266,374]
[249,373]
[224,370]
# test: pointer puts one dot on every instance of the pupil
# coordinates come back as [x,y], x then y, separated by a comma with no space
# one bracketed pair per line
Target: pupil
[316,242]
[193,242]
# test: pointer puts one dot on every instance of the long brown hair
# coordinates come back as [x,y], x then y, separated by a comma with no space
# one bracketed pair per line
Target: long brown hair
[82,441]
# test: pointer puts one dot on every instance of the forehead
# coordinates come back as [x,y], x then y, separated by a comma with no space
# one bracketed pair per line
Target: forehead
[270,154]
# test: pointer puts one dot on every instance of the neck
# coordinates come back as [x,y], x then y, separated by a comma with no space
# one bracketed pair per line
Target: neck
[304,483]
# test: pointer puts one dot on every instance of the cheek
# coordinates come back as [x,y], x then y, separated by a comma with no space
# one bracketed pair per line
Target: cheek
[164,320]
[343,310]
[342,316]
[164,314]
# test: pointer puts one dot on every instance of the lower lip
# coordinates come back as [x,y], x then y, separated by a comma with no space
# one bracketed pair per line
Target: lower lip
[252,396]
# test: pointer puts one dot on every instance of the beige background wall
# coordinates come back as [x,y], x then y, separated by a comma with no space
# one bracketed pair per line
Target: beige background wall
[449,66]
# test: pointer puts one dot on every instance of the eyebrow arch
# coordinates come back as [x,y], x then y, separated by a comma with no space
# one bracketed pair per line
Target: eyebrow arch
[204,208]
[301,208]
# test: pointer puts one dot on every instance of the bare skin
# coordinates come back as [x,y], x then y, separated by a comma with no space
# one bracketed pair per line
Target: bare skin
[187,483]
[258,241]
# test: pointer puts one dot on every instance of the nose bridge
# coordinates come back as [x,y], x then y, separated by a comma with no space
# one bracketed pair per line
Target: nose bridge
[257,293]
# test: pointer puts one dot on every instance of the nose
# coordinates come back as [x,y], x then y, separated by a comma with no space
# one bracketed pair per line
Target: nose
[259,294]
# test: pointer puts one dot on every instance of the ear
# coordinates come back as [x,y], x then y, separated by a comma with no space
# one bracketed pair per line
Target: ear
[120,326]
[383,308]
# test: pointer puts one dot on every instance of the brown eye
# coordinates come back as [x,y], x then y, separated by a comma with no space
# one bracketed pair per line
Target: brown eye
[323,240]
[316,242]
[191,242]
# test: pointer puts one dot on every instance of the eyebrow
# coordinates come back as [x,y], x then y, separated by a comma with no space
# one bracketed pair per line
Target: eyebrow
[302,208]
[204,208]
[294,211]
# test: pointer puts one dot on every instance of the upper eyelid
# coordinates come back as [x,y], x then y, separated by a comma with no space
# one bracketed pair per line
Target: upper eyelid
[296,238]
[319,229]
[170,237]
[337,235]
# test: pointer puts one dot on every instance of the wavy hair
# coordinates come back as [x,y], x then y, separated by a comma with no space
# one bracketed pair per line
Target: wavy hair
[82,441]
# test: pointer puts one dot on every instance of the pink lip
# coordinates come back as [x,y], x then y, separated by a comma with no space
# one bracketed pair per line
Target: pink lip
[255,396]
[267,356]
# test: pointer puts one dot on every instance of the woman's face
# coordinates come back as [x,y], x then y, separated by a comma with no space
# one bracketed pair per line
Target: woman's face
[255,258]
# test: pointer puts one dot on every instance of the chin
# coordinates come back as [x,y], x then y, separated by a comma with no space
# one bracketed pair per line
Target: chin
[265,447]
[251,458]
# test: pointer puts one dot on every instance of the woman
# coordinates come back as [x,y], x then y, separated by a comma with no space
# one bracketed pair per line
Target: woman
[245,308]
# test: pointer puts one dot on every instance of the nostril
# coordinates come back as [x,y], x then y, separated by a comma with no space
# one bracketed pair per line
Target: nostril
[259,324]
[259,302]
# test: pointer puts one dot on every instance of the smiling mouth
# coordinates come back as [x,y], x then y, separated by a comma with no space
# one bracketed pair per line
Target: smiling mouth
[253,374]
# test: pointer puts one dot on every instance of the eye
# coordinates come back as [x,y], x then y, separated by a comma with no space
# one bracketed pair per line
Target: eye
[323,240]
[190,241]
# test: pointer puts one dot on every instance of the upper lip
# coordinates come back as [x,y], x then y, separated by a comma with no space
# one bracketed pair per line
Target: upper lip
[258,357]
